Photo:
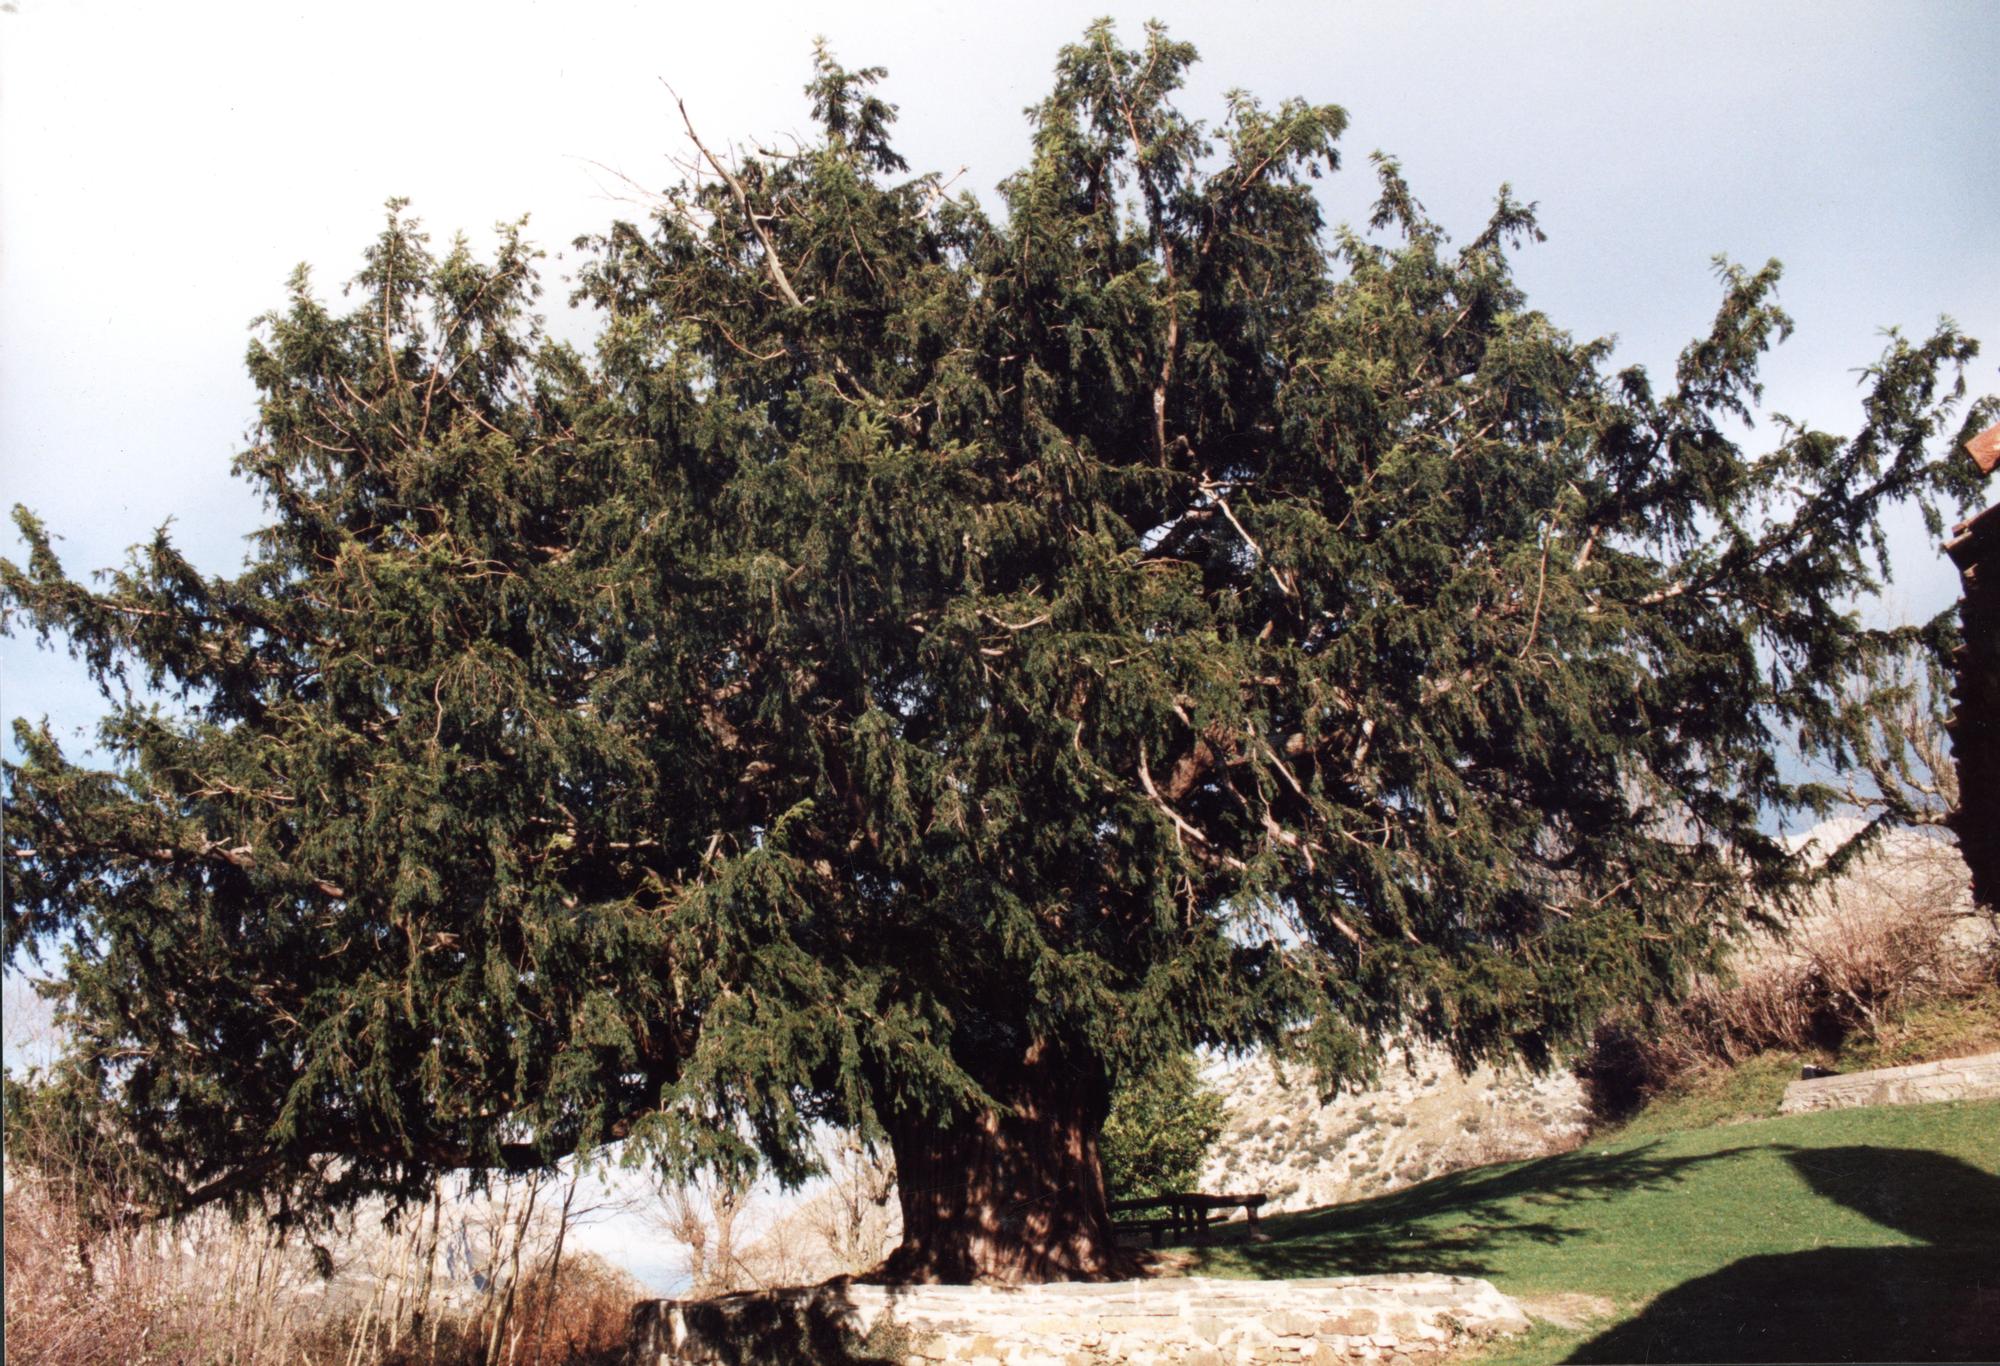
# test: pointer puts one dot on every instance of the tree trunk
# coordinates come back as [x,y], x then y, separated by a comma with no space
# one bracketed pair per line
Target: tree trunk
[1013,1196]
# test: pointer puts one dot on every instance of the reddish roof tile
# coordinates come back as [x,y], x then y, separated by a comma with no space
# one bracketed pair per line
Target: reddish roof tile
[1985,449]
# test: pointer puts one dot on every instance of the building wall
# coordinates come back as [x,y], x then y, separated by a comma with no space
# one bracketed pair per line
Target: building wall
[1975,724]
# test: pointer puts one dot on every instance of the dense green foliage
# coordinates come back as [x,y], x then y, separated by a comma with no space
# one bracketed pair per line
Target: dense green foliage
[1161,1126]
[919,639]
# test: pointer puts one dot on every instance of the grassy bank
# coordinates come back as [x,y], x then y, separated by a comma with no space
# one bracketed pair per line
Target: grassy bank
[1852,1235]
[1954,1027]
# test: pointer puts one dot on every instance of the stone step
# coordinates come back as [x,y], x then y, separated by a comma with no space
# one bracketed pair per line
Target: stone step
[1976,1078]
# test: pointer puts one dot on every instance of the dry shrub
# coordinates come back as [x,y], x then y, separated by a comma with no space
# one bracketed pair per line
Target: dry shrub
[725,1227]
[1895,932]
[854,1219]
[739,1235]
[209,1289]
[475,1277]
[588,1312]
[88,1281]
[580,1317]
[204,1290]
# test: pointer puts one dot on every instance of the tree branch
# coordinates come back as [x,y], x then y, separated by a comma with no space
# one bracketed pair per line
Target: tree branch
[771,261]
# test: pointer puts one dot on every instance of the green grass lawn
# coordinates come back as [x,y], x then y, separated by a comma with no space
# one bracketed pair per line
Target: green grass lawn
[1855,1235]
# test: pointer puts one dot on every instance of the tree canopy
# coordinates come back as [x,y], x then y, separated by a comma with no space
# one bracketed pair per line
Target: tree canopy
[925,663]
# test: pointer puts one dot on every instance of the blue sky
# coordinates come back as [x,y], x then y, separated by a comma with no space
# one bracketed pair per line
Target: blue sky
[163,167]
[166,166]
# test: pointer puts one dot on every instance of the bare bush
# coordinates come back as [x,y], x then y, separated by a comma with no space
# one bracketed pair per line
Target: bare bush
[735,1236]
[209,1288]
[204,1289]
[487,1276]
[854,1218]
[738,1235]
[710,1217]
[1897,930]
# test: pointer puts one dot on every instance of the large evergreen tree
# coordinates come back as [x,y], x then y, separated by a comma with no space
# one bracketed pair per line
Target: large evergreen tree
[926,665]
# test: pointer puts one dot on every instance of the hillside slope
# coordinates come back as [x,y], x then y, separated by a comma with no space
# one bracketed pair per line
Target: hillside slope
[1851,1235]
[1424,1119]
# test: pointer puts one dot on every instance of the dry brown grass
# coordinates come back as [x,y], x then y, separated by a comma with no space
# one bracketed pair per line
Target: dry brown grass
[202,1292]
[209,1289]
[1896,933]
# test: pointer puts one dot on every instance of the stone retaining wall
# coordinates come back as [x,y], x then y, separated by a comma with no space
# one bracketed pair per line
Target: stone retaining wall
[1191,1322]
[1954,1079]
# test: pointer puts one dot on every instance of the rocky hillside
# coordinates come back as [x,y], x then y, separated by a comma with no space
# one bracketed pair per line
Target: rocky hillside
[1422,1120]
[1425,1119]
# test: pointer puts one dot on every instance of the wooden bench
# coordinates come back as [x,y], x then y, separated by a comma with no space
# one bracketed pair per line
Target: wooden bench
[1187,1216]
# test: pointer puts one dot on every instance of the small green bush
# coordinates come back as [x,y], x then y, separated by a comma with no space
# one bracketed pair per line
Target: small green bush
[1161,1126]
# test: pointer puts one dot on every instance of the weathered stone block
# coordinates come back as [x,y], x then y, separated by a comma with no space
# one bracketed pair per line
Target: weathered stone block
[1975,1078]
[1351,1321]
[1292,1323]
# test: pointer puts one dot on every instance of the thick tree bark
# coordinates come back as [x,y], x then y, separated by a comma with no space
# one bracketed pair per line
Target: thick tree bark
[1013,1196]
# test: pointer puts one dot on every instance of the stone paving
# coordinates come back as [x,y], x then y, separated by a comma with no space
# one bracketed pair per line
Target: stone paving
[1190,1322]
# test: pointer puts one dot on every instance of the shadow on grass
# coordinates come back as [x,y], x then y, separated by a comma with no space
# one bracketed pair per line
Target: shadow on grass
[1488,1208]
[1935,1302]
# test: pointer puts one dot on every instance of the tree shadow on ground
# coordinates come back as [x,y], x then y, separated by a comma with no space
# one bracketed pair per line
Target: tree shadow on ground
[1403,1231]
[1935,1302]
